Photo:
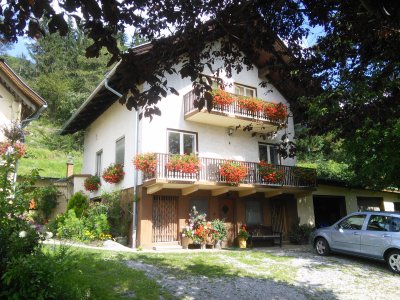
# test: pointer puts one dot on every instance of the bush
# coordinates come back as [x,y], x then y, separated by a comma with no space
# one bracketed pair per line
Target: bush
[46,201]
[69,226]
[299,234]
[79,203]
[119,214]
[40,276]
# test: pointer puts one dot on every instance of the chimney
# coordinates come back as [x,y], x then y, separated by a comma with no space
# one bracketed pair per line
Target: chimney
[70,166]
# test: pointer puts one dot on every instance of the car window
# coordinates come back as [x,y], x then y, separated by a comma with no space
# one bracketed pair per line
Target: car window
[378,223]
[394,224]
[353,223]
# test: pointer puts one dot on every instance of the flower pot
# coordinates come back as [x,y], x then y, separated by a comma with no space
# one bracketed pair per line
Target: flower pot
[242,243]
[185,242]
[203,246]
[218,244]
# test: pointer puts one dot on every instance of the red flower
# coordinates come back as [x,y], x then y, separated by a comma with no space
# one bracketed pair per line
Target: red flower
[233,172]
[146,162]
[187,164]
[222,98]
[271,173]
[114,173]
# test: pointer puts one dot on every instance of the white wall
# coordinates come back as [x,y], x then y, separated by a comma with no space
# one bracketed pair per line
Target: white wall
[9,109]
[213,141]
[102,134]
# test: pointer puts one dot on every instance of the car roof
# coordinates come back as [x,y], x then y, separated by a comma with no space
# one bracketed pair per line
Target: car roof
[383,213]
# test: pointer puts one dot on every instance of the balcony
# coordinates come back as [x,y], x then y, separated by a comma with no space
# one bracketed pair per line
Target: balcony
[293,180]
[227,115]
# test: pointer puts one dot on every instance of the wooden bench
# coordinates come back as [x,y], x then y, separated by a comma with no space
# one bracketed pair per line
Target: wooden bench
[261,233]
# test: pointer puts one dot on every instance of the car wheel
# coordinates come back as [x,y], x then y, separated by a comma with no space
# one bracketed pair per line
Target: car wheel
[393,260]
[322,247]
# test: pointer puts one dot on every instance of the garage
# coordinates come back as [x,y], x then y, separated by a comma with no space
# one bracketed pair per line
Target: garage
[328,209]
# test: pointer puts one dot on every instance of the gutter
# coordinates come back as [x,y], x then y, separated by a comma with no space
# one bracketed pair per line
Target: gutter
[135,174]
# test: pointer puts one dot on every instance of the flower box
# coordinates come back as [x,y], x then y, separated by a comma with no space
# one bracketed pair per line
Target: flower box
[92,183]
[271,173]
[233,172]
[185,164]
[146,162]
[114,173]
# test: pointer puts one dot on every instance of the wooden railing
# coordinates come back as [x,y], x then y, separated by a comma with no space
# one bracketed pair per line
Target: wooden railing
[210,172]
[234,109]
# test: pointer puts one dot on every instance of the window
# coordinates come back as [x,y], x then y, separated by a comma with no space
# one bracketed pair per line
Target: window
[378,223]
[397,206]
[120,151]
[394,224]
[369,203]
[245,90]
[201,205]
[180,142]
[253,213]
[353,223]
[99,158]
[269,153]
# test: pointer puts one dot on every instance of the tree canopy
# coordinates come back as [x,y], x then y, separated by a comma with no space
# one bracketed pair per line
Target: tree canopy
[349,77]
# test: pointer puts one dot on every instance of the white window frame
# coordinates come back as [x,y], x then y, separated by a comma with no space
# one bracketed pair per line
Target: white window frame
[123,157]
[245,88]
[269,146]
[181,144]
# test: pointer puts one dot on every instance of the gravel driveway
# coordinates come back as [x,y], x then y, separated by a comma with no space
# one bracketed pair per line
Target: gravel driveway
[314,277]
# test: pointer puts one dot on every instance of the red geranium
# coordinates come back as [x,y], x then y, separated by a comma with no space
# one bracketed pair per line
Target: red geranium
[114,173]
[276,111]
[18,149]
[92,183]
[222,98]
[187,164]
[146,162]
[271,173]
[233,172]
[250,104]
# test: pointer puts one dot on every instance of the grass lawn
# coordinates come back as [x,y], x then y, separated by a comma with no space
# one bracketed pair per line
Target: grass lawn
[101,275]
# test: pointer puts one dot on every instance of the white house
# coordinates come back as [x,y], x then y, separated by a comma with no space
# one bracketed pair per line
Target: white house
[18,102]
[164,198]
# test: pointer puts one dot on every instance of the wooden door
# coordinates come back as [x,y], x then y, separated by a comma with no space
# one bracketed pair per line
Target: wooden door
[278,217]
[165,219]
[227,213]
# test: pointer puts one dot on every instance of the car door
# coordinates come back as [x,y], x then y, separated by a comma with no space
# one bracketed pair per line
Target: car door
[346,236]
[377,237]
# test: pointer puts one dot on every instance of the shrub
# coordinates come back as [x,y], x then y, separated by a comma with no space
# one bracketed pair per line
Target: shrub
[299,234]
[118,213]
[40,276]
[70,226]
[46,201]
[79,203]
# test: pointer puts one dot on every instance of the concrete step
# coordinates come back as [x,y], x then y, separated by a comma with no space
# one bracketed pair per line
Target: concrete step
[167,247]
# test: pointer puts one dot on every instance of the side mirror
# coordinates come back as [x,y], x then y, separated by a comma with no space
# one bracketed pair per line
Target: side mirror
[336,227]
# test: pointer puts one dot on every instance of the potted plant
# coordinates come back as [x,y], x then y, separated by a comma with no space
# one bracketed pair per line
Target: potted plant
[277,112]
[219,232]
[233,172]
[186,164]
[146,162]
[187,236]
[305,175]
[270,173]
[222,98]
[92,183]
[300,234]
[203,232]
[114,173]
[243,235]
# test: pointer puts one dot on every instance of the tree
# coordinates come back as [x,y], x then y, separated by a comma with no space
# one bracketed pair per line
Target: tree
[350,76]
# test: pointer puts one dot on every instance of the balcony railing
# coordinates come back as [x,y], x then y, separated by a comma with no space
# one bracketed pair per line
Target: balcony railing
[210,172]
[231,110]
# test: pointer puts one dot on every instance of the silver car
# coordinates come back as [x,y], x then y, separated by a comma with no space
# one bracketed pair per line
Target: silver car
[369,234]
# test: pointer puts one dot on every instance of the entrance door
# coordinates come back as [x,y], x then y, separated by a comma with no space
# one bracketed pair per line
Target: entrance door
[278,217]
[165,219]
[227,213]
